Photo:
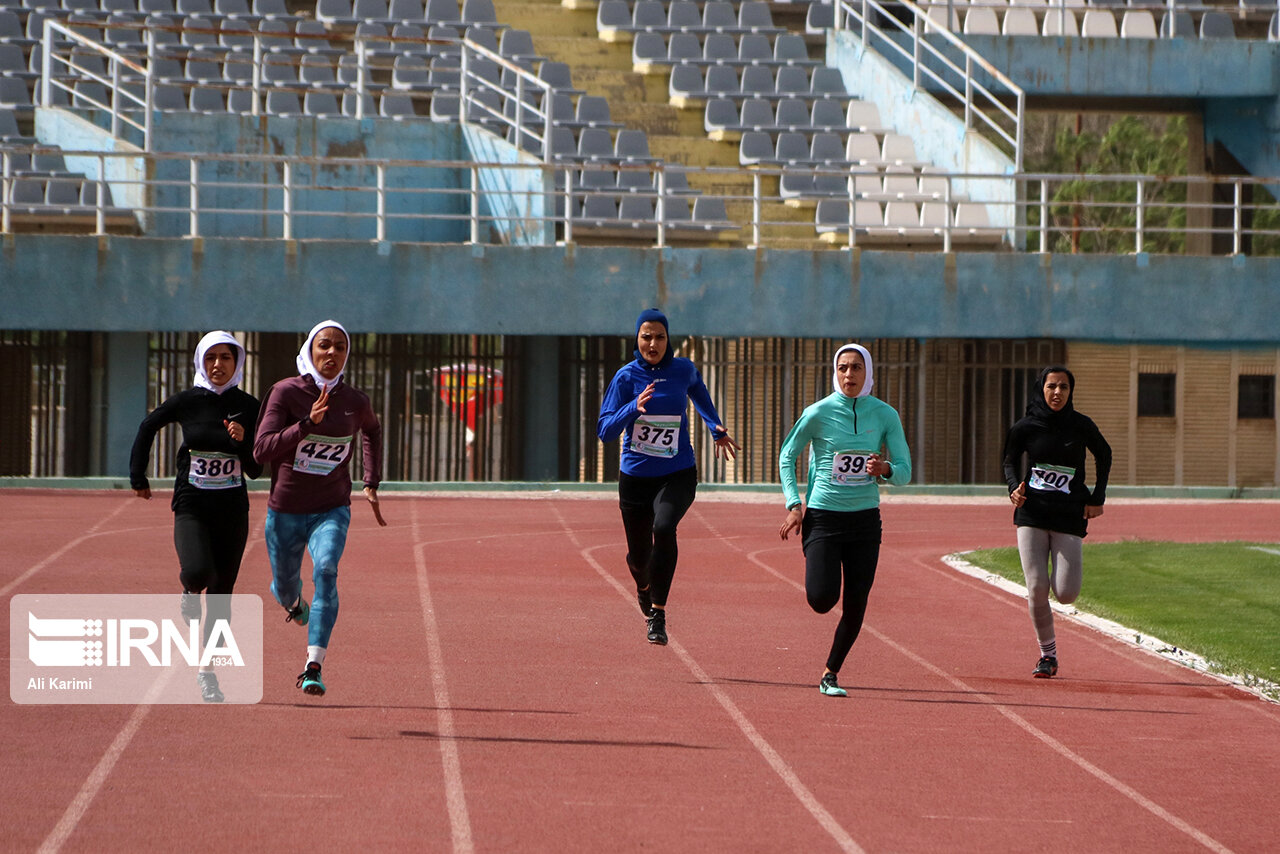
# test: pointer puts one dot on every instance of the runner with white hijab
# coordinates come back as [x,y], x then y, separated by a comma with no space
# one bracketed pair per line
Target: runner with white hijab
[210,503]
[855,443]
[309,423]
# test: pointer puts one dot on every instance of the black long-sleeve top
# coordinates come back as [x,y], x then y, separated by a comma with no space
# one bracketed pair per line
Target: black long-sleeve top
[202,414]
[1047,452]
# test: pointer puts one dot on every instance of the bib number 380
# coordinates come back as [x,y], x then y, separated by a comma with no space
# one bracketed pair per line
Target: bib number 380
[212,470]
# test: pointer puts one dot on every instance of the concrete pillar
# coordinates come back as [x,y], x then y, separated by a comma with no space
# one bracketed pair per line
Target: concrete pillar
[541,409]
[124,392]
[1199,219]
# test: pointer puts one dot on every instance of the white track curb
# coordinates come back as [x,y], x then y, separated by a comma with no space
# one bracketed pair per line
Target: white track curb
[1268,691]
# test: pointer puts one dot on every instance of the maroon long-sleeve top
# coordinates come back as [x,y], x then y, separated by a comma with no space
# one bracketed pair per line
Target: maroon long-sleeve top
[311,463]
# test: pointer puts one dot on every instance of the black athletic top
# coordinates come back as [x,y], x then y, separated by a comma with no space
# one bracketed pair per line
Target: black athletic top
[1046,451]
[215,480]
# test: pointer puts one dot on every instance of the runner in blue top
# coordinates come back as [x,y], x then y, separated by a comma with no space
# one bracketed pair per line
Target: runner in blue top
[647,402]
[855,441]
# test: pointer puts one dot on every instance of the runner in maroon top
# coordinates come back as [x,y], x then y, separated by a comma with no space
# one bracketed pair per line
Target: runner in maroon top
[306,432]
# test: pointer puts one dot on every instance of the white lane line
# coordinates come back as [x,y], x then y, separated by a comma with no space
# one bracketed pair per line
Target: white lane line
[775,761]
[1265,549]
[98,776]
[92,532]
[1039,734]
[455,794]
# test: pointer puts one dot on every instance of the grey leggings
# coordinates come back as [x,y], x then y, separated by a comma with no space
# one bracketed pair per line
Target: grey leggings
[1037,547]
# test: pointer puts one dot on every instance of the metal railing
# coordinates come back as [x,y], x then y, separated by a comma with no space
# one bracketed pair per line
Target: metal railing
[522,109]
[980,104]
[187,196]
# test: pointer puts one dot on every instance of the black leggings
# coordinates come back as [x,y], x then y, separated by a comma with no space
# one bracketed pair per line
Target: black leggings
[652,507]
[840,547]
[210,547]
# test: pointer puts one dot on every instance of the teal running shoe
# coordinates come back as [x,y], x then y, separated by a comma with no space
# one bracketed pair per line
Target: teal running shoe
[299,613]
[309,680]
[829,687]
[209,690]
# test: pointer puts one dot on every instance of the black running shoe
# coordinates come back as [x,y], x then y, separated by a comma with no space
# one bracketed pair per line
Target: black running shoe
[657,624]
[1046,667]
[646,602]
[189,605]
[209,690]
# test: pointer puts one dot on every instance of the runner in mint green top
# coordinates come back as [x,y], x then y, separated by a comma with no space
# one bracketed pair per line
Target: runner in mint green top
[855,443]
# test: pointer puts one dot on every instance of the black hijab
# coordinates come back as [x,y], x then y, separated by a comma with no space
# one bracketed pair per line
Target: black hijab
[1039,411]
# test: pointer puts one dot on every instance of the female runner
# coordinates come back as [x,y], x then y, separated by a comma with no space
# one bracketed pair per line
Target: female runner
[1044,467]
[855,441]
[647,403]
[308,425]
[210,502]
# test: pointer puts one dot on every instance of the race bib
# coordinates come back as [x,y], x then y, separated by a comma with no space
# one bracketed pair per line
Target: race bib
[212,470]
[849,468]
[321,454]
[1051,478]
[656,435]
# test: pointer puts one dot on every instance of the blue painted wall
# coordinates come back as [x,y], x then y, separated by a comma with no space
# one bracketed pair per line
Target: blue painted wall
[131,284]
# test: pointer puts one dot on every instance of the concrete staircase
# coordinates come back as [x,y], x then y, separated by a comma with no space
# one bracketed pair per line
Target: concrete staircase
[640,101]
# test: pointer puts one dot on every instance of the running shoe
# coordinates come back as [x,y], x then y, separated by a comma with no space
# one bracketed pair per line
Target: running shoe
[299,614]
[309,680]
[189,605]
[646,602]
[209,690]
[657,624]
[1046,667]
[829,687]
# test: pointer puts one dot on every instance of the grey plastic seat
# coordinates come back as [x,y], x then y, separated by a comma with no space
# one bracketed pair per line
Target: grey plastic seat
[517,45]
[683,17]
[206,99]
[442,12]
[558,75]
[595,144]
[795,185]
[270,9]
[232,8]
[825,82]
[755,149]
[754,17]
[479,12]
[793,114]
[282,103]
[395,105]
[320,104]
[410,72]
[632,146]
[754,49]
[406,11]
[598,210]
[240,101]
[373,11]
[718,16]
[235,34]
[316,71]
[613,18]
[792,149]
[757,114]
[238,69]
[593,111]
[636,212]
[169,98]
[819,18]
[635,181]
[278,69]
[757,81]
[684,47]
[336,12]
[350,100]
[198,32]
[827,150]
[203,68]
[597,180]
[1216,25]
[790,49]
[720,118]
[648,16]
[1180,22]
[709,210]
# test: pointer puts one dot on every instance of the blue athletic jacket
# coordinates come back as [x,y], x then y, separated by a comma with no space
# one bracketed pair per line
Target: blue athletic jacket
[660,445]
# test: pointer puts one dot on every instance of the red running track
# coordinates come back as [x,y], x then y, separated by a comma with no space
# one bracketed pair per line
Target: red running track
[491,690]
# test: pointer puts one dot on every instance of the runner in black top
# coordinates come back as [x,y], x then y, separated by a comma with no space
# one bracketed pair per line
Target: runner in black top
[210,503]
[1044,457]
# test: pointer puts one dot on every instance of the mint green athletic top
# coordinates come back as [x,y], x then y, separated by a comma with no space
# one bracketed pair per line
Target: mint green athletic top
[840,432]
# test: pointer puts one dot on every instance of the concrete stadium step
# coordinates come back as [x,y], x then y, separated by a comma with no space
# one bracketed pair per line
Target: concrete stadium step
[654,119]
[547,19]
[621,87]
[693,151]
[582,52]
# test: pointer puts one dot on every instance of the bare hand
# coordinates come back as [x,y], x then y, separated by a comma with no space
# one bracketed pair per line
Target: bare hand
[145,494]
[726,446]
[877,467]
[234,429]
[1092,511]
[644,397]
[1019,496]
[372,494]
[792,523]
[320,407]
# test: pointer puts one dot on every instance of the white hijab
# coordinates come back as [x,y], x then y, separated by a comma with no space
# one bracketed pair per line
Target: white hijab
[202,377]
[307,368]
[866,360]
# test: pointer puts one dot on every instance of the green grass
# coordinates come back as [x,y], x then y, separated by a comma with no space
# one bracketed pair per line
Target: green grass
[1219,600]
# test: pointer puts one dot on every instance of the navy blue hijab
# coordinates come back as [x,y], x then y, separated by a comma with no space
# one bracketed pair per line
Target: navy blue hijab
[652,315]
